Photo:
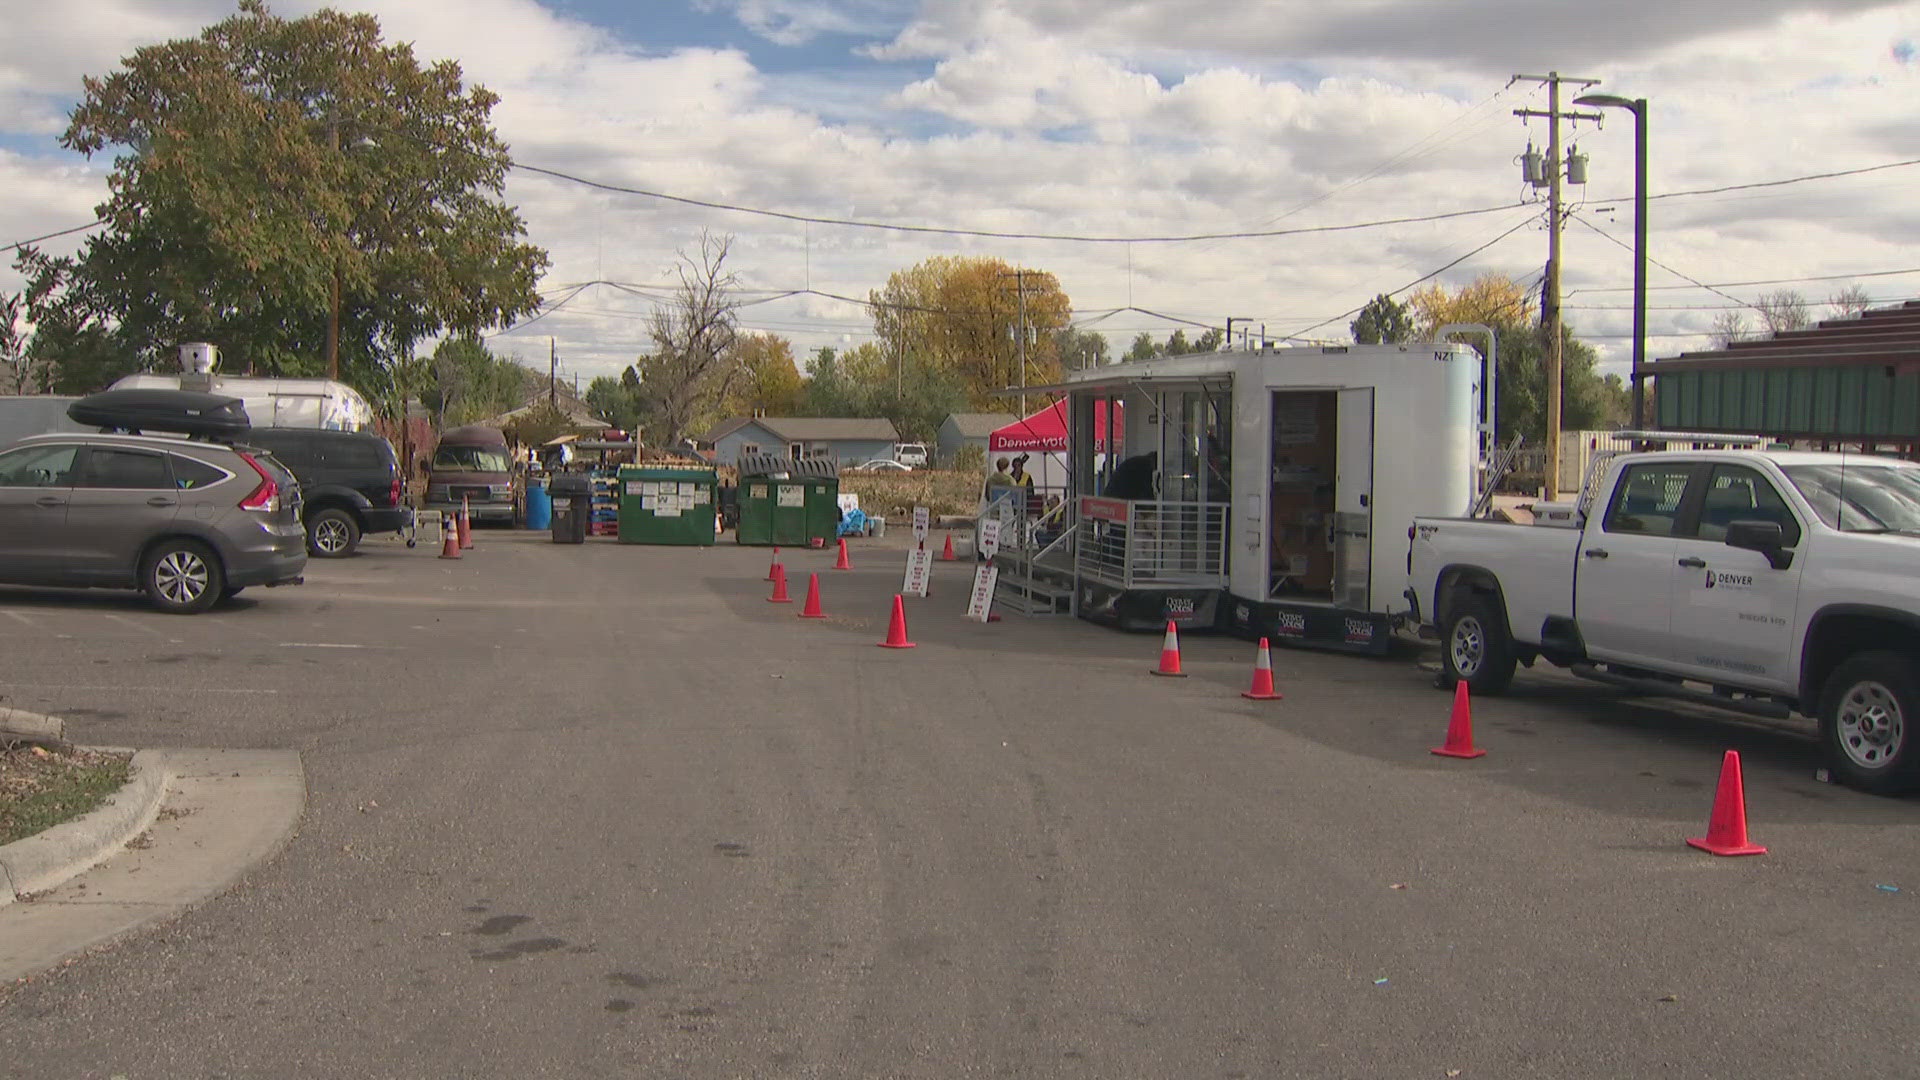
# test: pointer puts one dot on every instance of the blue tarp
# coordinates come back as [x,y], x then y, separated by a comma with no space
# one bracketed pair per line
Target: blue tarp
[853,523]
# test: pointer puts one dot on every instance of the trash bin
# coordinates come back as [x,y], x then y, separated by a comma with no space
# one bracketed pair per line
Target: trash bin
[662,504]
[786,501]
[572,502]
[539,505]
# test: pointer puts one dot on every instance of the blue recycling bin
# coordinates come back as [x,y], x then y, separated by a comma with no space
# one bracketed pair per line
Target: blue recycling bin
[539,505]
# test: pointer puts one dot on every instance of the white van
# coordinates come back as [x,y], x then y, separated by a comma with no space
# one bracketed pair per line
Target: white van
[911,453]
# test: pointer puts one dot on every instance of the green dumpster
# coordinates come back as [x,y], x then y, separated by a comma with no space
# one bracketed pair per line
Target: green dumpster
[667,505]
[790,502]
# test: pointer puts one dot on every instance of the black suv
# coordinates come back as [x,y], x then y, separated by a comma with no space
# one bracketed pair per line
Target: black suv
[350,480]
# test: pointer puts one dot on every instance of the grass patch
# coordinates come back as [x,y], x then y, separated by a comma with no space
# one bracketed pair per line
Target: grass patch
[41,788]
[893,495]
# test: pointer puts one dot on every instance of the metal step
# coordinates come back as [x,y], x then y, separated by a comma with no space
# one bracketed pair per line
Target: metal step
[1025,596]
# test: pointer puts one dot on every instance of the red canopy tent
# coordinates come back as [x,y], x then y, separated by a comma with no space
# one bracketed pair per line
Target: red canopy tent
[1046,431]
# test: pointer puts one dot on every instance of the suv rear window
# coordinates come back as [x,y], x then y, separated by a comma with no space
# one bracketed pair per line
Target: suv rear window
[192,475]
[125,470]
[355,452]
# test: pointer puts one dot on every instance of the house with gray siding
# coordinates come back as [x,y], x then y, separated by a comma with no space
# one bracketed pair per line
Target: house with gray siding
[846,440]
[968,429]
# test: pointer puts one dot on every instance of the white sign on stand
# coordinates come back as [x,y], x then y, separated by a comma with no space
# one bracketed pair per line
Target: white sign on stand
[919,572]
[980,603]
[990,537]
[920,520]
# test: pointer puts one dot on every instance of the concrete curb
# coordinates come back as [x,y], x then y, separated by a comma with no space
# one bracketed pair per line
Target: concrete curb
[44,860]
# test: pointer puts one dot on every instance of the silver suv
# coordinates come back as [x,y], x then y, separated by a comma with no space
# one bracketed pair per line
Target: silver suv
[188,522]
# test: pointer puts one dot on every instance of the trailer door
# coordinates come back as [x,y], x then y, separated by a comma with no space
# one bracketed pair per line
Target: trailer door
[1353,501]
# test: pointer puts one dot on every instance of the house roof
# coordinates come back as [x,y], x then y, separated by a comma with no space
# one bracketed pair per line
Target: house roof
[811,428]
[1883,336]
[978,425]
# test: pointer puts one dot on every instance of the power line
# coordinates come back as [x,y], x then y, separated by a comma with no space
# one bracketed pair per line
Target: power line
[1764,183]
[1715,287]
[990,234]
[1528,220]
[1623,244]
[63,232]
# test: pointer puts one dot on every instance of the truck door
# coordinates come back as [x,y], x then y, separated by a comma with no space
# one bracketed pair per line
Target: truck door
[1627,565]
[1353,500]
[1733,613]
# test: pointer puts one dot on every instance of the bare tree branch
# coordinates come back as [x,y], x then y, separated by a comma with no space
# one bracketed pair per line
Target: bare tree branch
[693,363]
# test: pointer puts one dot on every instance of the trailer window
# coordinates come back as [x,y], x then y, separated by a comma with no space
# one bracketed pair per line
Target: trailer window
[1647,500]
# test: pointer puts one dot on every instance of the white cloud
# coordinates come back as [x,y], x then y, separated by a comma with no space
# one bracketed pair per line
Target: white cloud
[1138,118]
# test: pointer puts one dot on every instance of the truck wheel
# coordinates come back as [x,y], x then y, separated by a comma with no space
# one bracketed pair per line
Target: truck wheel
[1867,723]
[1474,647]
[182,577]
[332,534]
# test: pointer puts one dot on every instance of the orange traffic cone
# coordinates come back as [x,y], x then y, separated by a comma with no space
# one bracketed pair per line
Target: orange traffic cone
[812,608]
[843,563]
[449,538]
[1170,653]
[779,586]
[1460,727]
[946,553]
[1727,828]
[466,525]
[897,629]
[775,565]
[1262,676]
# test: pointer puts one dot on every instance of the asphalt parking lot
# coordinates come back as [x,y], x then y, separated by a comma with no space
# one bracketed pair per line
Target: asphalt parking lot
[603,810]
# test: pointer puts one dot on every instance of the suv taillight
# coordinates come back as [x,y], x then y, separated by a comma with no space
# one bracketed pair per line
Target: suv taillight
[265,497]
[393,492]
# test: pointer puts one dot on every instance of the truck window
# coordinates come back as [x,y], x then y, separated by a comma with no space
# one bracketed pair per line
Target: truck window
[1737,493]
[1647,500]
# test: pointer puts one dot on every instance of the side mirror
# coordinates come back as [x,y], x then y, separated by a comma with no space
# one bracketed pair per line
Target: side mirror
[1765,537]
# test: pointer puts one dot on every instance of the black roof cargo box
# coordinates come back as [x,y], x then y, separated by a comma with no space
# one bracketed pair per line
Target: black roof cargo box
[179,412]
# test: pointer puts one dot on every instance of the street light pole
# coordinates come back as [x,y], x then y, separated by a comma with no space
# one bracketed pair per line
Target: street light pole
[1638,107]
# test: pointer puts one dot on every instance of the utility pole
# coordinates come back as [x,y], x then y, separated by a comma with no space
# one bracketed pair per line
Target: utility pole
[1022,329]
[1551,304]
[553,373]
[333,316]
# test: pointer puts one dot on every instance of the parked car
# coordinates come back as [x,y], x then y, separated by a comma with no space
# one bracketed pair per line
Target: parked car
[472,464]
[881,465]
[349,482]
[1766,581]
[187,521]
[911,454]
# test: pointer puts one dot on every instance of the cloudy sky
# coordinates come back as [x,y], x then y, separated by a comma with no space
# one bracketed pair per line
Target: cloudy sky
[1119,118]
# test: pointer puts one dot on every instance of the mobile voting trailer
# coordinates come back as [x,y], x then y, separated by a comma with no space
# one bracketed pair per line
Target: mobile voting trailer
[1268,491]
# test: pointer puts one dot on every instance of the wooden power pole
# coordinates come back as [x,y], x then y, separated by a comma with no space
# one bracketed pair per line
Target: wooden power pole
[1550,305]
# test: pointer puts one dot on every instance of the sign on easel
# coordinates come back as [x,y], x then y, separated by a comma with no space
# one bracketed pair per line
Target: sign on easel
[980,604]
[990,537]
[920,521]
[919,572]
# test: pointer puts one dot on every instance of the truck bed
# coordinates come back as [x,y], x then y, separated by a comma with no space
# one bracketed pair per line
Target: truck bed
[1535,566]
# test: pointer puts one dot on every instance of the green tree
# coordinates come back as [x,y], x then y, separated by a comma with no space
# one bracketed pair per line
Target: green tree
[270,164]
[539,425]
[470,383]
[619,400]
[768,382]
[959,318]
[1383,322]
[1587,401]
[1143,347]
[1080,349]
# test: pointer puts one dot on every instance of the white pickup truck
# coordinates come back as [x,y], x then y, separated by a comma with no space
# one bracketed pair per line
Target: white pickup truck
[1768,581]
